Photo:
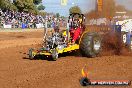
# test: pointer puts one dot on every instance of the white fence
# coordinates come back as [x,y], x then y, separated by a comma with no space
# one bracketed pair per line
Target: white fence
[40,25]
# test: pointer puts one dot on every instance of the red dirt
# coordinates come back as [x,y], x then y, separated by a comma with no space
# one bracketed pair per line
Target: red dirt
[17,71]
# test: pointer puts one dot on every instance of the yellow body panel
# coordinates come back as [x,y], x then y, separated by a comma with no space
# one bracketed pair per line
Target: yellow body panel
[65,34]
[33,53]
[67,49]
[47,54]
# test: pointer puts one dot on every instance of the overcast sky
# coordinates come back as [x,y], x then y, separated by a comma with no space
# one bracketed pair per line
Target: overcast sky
[85,5]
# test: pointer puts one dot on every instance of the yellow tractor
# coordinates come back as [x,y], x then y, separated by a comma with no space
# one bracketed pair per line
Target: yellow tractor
[75,37]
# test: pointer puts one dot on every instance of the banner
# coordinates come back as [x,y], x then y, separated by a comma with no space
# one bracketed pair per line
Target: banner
[7,26]
[64,2]
[40,25]
[100,5]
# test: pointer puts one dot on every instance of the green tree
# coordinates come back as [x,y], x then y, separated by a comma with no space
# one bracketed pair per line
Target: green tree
[13,7]
[57,15]
[41,7]
[63,17]
[26,5]
[36,2]
[42,13]
[6,4]
[75,9]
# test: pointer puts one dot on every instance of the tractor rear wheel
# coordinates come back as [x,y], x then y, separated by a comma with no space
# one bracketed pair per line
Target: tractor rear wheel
[90,45]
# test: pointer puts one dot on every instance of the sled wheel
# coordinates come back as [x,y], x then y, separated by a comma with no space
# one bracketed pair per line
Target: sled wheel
[31,56]
[54,54]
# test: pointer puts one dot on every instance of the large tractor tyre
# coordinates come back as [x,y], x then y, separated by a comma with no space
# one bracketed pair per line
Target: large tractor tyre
[31,56]
[54,55]
[90,45]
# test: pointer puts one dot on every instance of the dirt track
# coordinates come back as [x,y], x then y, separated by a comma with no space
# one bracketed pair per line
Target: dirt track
[17,71]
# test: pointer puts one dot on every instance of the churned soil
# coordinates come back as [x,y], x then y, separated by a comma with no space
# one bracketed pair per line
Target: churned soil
[112,45]
[18,71]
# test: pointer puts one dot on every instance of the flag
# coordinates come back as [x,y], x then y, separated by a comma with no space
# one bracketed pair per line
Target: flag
[64,2]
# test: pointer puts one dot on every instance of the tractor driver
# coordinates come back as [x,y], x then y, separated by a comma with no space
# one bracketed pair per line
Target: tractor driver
[75,30]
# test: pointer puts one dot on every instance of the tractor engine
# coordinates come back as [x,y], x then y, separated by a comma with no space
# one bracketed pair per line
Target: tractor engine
[56,41]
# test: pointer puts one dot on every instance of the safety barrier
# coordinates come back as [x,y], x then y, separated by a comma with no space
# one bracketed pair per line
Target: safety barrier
[7,26]
[40,25]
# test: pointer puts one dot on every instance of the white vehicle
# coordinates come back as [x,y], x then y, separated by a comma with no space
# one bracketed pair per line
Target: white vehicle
[127,28]
[126,25]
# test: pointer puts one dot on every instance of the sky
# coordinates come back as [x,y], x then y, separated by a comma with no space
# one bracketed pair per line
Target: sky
[85,5]
[126,3]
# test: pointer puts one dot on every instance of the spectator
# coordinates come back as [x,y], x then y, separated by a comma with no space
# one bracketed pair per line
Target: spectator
[16,19]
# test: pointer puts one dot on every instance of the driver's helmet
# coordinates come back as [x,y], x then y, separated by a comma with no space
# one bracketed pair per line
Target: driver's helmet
[76,24]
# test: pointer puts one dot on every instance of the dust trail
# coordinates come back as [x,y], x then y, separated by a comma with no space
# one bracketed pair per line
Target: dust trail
[113,45]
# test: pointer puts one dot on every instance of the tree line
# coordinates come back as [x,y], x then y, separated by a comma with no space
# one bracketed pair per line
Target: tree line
[32,6]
